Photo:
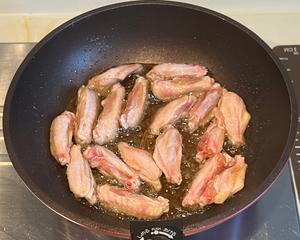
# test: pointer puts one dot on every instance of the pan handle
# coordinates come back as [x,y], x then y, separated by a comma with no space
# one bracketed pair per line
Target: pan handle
[146,230]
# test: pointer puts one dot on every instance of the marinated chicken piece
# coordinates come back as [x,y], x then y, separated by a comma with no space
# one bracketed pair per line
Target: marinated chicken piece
[133,204]
[142,162]
[210,168]
[80,177]
[224,185]
[165,90]
[109,119]
[235,115]
[168,153]
[111,166]
[211,142]
[136,104]
[86,115]
[105,80]
[61,133]
[201,109]
[171,113]
[169,71]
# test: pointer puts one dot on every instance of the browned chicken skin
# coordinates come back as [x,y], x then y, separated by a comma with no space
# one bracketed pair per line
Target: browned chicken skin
[80,177]
[61,133]
[142,162]
[133,204]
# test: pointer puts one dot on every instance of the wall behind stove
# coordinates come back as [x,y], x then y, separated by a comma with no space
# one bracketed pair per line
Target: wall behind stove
[276,21]
[59,6]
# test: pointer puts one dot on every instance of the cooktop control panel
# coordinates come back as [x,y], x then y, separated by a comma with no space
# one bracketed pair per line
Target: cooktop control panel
[290,57]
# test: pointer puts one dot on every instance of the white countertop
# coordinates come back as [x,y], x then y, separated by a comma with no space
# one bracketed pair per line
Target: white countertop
[277,22]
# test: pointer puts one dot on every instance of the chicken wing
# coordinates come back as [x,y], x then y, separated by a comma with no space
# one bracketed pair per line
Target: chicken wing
[225,184]
[236,117]
[165,90]
[211,142]
[109,119]
[168,71]
[198,114]
[133,204]
[136,104]
[80,177]
[171,113]
[142,162]
[105,80]
[111,166]
[168,153]
[211,168]
[61,133]
[86,115]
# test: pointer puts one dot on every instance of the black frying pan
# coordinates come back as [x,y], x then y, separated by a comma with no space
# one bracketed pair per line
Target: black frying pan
[147,32]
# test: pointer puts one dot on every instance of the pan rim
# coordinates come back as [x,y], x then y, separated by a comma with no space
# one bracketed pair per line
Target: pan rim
[216,220]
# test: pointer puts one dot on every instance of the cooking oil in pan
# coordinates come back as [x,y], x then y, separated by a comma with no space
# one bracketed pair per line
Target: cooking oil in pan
[140,137]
